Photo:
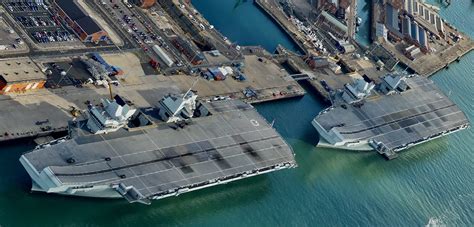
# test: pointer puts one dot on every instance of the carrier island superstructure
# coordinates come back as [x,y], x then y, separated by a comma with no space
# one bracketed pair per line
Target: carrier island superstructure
[399,112]
[119,152]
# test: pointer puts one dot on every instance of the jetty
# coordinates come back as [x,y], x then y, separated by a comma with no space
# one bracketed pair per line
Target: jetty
[42,112]
[273,11]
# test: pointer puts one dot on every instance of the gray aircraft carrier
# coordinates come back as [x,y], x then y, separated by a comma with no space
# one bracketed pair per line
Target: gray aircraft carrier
[230,142]
[404,112]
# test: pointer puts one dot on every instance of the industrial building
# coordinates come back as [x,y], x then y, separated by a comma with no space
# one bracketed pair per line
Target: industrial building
[20,75]
[414,33]
[391,19]
[413,21]
[414,30]
[163,55]
[330,23]
[336,7]
[82,24]
[192,53]
[431,20]
[381,31]
[406,26]
[334,16]
[419,11]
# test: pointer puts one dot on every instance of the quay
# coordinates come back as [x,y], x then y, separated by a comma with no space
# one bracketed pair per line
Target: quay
[432,63]
[265,77]
[46,111]
[272,10]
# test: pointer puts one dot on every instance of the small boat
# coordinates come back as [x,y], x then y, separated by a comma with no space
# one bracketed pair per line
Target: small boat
[358,21]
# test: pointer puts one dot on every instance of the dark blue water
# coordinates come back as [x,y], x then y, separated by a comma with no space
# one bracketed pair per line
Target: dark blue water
[363,11]
[329,188]
[235,18]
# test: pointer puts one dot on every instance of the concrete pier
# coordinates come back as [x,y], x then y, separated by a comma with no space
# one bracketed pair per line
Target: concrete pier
[429,64]
[272,10]
[46,111]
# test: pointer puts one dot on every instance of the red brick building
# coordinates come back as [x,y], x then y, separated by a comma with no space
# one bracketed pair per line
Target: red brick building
[83,25]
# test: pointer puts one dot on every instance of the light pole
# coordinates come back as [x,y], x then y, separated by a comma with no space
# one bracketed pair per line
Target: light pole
[64,74]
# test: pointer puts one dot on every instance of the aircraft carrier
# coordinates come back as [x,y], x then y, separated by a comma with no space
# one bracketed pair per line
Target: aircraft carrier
[400,112]
[119,152]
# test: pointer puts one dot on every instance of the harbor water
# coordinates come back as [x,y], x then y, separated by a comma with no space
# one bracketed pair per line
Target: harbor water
[329,188]
[363,11]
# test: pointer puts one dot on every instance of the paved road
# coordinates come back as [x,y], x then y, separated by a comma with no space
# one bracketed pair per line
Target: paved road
[115,15]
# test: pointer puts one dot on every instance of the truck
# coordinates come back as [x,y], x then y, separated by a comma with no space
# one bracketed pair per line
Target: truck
[127,3]
[154,64]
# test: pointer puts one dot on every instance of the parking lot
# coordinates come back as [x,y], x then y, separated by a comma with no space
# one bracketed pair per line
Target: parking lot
[130,22]
[38,21]
[40,24]
[17,6]
[10,41]
[70,73]
[139,30]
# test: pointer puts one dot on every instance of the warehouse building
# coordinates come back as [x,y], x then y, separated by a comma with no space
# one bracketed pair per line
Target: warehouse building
[391,19]
[191,52]
[82,24]
[20,75]
[333,25]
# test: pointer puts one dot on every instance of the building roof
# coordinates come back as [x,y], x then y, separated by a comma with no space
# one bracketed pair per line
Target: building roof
[171,103]
[88,25]
[20,69]
[76,14]
[334,21]
[71,9]
[391,17]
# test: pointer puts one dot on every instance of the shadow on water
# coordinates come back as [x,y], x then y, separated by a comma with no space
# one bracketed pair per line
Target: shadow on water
[239,3]
[191,206]
[11,144]
[15,188]
[174,210]
[316,162]
[13,177]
